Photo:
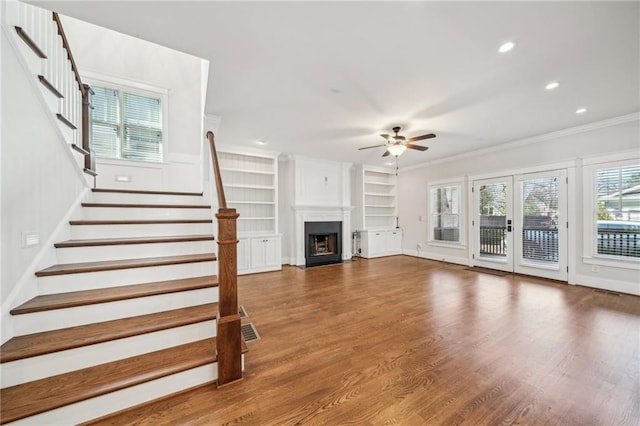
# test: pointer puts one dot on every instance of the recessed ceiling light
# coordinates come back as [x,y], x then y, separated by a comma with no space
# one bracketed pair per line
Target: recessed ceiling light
[261,142]
[505,47]
[552,85]
[581,110]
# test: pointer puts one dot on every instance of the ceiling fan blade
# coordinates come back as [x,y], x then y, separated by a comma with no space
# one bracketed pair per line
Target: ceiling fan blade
[420,138]
[417,147]
[386,136]
[374,146]
[386,154]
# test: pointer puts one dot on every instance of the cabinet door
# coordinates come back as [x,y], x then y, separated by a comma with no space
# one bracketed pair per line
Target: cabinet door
[272,253]
[265,252]
[258,259]
[377,243]
[244,255]
[394,242]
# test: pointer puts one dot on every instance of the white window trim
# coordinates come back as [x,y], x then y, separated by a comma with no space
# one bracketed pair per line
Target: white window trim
[138,88]
[461,244]
[590,254]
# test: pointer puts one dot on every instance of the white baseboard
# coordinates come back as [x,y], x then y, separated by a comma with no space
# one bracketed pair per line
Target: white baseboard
[439,257]
[609,284]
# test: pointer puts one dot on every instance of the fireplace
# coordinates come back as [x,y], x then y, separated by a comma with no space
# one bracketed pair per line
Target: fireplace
[323,243]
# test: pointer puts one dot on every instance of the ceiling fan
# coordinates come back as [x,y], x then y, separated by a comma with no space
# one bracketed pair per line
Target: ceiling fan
[397,144]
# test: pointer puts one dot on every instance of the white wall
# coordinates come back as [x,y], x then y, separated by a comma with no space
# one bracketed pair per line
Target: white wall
[597,139]
[285,212]
[102,52]
[40,181]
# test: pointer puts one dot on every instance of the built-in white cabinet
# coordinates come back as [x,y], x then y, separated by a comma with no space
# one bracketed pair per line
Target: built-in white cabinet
[376,212]
[259,254]
[265,253]
[250,186]
[380,243]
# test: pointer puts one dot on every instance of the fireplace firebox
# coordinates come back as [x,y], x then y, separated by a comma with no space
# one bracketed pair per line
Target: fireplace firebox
[323,243]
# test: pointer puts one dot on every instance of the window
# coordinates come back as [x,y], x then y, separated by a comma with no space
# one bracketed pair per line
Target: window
[445,205]
[617,211]
[126,125]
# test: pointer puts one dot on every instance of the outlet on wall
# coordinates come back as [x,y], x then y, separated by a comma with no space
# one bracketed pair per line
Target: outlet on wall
[595,268]
[420,246]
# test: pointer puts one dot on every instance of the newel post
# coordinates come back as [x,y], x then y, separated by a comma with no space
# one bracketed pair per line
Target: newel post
[229,340]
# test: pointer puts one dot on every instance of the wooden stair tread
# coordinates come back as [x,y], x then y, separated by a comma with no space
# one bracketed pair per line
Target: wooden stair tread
[90,297]
[133,191]
[110,265]
[138,222]
[46,394]
[137,240]
[148,206]
[46,342]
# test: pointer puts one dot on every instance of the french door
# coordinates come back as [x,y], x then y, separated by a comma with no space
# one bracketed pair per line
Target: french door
[520,224]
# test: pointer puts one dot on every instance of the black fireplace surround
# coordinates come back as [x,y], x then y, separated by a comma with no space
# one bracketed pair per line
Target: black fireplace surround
[323,243]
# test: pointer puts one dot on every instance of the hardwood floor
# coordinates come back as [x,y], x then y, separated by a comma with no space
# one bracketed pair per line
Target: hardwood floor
[409,341]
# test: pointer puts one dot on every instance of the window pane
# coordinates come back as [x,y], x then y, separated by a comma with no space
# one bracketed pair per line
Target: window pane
[105,105]
[618,211]
[104,140]
[142,144]
[105,121]
[142,128]
[445,214]
[493,220]
[142,111]
[540,222]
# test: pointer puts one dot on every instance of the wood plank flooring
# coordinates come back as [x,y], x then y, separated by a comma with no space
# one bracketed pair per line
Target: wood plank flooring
[408,341]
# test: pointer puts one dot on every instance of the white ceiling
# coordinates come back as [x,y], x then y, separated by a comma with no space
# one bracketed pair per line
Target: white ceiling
[325,78]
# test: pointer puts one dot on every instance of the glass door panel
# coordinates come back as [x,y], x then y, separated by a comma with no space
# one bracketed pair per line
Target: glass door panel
[541,225]
[493,246]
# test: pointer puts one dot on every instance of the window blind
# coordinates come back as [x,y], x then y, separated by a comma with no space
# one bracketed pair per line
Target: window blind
[618,211]
[105,128]
[540,198]
[142,138]
[126,125]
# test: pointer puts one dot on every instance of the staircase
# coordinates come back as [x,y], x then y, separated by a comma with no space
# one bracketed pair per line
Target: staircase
[127,315]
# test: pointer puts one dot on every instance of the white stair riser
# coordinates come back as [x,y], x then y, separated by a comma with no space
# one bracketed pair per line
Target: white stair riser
[116,213]
[93,280]
[109,403]
[29,369]
[132,251]
[124,198]
[70,317]
[82,232]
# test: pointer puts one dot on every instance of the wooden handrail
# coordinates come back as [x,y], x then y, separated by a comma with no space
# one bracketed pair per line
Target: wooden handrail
[229,335]
[65,44]
[222,202]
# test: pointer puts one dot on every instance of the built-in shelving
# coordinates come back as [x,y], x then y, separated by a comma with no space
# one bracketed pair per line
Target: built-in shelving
[376,207]
[250,186]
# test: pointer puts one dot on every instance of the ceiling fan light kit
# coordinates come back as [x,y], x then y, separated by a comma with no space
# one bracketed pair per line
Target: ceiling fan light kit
[396,150]
[398,144]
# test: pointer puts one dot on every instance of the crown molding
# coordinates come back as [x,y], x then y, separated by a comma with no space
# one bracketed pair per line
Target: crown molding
[533,139]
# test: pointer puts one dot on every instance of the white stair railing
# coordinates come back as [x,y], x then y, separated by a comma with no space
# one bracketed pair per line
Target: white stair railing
[48,56]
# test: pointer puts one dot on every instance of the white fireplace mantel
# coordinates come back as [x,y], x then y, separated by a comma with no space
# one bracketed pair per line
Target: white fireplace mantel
[306,213]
